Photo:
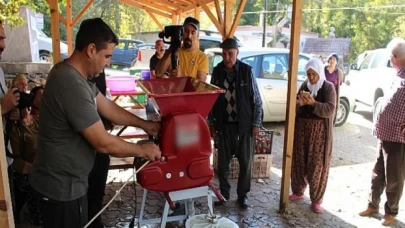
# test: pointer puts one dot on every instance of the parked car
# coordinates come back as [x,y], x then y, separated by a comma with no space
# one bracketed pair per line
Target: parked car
[126,52]
[45,47]
[270,67]
[372,78]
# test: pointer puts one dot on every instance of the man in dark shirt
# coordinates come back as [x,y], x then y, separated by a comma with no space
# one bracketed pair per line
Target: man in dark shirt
[160,50]
[70,129]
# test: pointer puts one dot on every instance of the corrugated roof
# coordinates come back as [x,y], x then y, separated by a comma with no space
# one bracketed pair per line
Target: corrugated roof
[326,46]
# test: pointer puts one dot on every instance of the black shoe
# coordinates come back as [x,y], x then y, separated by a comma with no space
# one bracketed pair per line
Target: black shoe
[219,203]
[243,202]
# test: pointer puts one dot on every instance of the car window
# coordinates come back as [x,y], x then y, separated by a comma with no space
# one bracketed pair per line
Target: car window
[366,62]
[274,66]
[213,60]
[253,61]
[302,73]
[132,45]
[205,44]
[121,45]
[378,57]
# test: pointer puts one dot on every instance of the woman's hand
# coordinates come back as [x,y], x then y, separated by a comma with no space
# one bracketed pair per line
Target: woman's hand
[309,100]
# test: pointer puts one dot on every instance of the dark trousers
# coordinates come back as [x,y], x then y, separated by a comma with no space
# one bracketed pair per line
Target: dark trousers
[97,184]
[10,172]
[388,174]
[62,214]
[231,143]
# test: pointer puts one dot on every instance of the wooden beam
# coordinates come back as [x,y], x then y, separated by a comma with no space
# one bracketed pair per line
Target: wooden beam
[54,10]
[6,217]
[154,5]
[197,11]
[82,11]
[219,13]
[227,23]
[192,6]
[173,5]
[211,16]
[155,20]
[135,4]
[69,30]
[182,2]
[62,19]
[291,103]
[237,17]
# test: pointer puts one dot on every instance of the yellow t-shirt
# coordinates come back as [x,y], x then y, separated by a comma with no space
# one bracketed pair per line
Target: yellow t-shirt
[190,62]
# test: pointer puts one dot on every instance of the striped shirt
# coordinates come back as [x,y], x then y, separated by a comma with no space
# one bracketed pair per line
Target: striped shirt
[392,113]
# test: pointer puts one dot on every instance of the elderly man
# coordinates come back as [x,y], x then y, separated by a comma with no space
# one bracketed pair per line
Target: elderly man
[389,169]
[160,50]
[70,129]
[235,119]
[192,61]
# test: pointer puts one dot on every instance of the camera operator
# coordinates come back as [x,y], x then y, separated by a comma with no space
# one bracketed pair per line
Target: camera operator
[9,100]
[70,129]
[192,61]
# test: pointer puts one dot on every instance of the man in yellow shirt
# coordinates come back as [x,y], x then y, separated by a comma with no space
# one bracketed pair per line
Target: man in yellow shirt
[192,61]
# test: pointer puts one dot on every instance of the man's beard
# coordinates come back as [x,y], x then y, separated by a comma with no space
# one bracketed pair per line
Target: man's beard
[1,52]
[187,43]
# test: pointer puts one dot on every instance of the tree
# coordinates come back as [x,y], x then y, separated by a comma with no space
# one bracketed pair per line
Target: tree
[251,18]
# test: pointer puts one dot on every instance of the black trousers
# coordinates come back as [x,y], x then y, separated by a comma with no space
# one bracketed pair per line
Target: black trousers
[388,174]
[62,214]
[231,143]
[10,172]
[97,184]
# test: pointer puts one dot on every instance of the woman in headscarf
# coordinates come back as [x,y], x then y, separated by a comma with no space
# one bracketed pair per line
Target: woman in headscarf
[316,104]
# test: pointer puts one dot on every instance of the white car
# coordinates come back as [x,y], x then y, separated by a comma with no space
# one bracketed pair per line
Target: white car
[372,78]
[45,47]
[270,66]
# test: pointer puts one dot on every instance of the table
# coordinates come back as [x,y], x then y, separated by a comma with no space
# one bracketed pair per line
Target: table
[131,94]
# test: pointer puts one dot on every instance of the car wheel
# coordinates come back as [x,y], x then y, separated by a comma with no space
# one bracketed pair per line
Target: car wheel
[342,113]
[376,108]
[44,56]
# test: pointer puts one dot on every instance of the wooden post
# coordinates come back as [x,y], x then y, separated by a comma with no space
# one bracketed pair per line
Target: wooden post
[227,23]
[69,26]
[291,102]
[53,7]
[174,19]
[6,217]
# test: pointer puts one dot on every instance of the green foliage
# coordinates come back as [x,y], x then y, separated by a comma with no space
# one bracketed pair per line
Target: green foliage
[368,28]
[251,6]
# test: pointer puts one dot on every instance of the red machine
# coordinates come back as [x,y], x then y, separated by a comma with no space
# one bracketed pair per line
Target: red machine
[183,103]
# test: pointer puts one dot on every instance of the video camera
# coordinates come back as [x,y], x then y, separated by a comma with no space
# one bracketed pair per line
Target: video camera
[26,100]
[175,32]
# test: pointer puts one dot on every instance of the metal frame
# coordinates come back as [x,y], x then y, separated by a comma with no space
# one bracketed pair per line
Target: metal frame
[187,195]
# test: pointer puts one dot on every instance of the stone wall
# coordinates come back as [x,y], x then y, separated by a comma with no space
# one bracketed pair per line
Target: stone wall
[36,73]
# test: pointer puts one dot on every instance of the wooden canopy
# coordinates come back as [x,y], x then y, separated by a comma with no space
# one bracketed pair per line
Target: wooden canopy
[226,24]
